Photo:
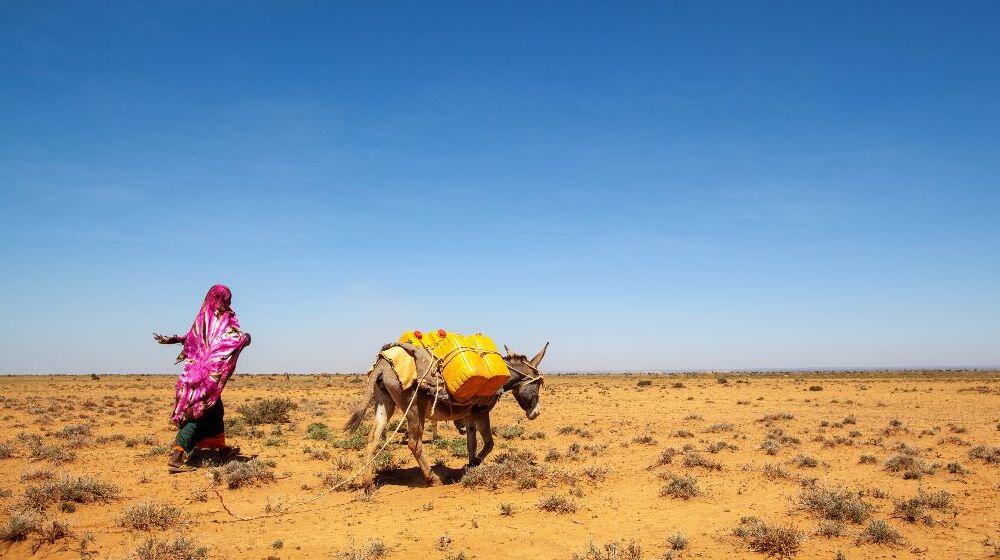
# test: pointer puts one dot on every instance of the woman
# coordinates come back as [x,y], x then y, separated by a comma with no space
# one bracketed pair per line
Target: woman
[211,349]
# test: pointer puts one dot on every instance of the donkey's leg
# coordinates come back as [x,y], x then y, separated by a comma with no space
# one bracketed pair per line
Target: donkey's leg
[415,434]
[384,408]
[483,425]
[434,430]
[470,440]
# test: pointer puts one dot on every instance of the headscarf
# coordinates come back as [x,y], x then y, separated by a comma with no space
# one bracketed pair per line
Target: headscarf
[211,349]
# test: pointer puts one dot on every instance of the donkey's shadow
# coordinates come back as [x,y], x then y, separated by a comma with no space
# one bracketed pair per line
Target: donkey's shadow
[413,478]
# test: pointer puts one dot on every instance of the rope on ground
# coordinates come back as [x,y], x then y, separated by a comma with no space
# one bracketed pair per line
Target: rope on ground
[285,510]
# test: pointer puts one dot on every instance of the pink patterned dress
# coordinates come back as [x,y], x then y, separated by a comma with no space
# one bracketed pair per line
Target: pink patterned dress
[211,349]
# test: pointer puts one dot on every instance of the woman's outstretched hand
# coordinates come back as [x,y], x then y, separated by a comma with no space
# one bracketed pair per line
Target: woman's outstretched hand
[173,339]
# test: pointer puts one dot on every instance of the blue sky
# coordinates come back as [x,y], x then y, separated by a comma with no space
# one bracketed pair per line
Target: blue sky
[646,185]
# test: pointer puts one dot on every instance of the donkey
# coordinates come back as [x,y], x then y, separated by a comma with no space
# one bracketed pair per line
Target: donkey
[384,391]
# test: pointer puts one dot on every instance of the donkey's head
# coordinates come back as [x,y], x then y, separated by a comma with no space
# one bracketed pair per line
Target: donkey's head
[526,380]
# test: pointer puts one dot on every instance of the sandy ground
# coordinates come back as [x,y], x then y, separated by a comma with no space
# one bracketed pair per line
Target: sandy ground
[610,426]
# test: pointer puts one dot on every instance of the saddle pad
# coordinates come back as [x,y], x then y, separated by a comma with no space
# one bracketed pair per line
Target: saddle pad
[402,363]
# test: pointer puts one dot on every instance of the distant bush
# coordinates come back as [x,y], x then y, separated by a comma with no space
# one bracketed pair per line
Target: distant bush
[267,411]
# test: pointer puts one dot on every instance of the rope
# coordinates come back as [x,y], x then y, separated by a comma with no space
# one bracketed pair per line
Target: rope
[287,509]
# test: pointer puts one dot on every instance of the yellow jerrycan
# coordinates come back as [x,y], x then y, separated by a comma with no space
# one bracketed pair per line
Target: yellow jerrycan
[496,369]
[461,366]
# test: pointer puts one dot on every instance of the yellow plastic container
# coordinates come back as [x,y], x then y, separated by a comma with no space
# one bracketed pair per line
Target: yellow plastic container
[497,372]
[429,339]
[471,365]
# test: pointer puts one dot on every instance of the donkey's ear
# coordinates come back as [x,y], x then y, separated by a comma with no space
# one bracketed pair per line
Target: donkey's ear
[538,357]
[507,350]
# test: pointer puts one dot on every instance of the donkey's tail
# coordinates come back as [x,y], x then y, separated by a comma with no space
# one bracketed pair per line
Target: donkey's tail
[358,412]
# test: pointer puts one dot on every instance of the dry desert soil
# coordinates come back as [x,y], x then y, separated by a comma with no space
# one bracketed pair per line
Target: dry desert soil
[865,465]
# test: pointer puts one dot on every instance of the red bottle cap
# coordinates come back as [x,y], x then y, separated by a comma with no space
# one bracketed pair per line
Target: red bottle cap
[418,334]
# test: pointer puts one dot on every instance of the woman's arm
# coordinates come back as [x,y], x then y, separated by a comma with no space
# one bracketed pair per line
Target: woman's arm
[172,339]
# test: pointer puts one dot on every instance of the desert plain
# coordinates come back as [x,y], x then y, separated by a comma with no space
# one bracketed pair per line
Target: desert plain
[852,465]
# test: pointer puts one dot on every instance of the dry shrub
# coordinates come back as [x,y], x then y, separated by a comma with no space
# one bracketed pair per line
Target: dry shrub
[914,509]
[720,427]
[677,541]
[55,454]
[236,474]
[910,466]
[773,471]
[371,550]
[830,529]
[781,541]
[18,527]
[37,474]
[775,416]
[683,487]
[804,461]
[507,466]
[73,430]
[694,459]
[267,411]
[178,548]
[613,550]
[988,454]
[146,516]
[879,531]
[594,472]
[557,504]
[665,458]
[51,532]
[80,489]
[7,449]
[836,504]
